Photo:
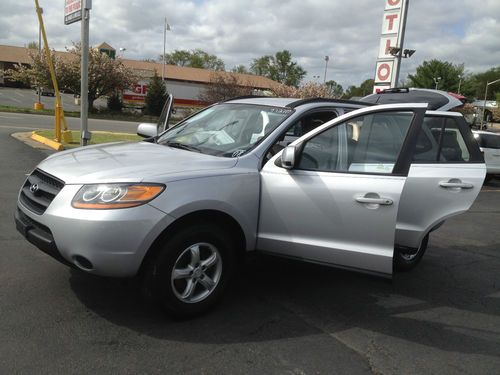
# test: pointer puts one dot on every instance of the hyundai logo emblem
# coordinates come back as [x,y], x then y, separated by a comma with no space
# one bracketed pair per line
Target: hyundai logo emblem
[34,188]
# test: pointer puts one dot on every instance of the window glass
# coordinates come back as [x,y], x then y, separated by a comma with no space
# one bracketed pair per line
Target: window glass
[453,147]
[427,146]
[488,140]
[369,144]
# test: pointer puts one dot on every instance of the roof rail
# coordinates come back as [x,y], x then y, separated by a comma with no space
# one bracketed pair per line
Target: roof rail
[395,89]
[247,97]
[328,100]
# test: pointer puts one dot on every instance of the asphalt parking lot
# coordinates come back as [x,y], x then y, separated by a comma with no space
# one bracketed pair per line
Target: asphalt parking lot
[280,317]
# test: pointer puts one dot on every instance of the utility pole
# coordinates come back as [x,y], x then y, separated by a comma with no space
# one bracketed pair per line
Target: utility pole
[40,53]
[84,87]
[401,42]
[484,104]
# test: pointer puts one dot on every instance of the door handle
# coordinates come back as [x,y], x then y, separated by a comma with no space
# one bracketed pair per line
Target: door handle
[382,201]
[455,185]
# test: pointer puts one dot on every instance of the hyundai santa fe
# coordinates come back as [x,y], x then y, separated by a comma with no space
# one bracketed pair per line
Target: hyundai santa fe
[334,182]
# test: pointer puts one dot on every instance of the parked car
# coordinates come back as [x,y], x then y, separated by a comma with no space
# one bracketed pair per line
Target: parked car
[362,190]
[489,144]
[45,91]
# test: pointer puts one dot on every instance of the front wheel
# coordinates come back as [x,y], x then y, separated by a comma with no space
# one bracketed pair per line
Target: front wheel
[192,270]
[406,259]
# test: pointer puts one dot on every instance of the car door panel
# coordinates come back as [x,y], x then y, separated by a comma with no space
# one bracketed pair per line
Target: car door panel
[429,198]
[318,216]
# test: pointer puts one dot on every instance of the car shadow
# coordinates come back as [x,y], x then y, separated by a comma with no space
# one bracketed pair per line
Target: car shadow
[276,299]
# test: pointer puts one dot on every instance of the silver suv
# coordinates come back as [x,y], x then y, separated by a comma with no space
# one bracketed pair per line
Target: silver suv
[333,182]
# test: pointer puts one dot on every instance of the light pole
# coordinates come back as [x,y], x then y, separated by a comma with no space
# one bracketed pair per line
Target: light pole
[316,78]
[436,81]
[166,27]
[485,95]
[327,58]
[459,82]
[122,51]
[40,106]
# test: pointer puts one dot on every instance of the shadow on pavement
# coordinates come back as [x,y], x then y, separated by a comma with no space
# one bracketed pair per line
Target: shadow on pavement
[276,299]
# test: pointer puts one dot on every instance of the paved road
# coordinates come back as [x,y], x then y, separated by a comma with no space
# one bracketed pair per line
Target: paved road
[25,122]
[25,98]
[281,317]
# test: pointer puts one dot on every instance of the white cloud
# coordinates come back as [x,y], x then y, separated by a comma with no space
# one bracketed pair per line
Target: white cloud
[460,31]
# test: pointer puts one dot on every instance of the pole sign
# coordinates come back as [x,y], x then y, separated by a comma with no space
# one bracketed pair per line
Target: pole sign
[393,24]
[72,11]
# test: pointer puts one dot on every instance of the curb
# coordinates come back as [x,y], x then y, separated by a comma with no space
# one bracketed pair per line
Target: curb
[49,142]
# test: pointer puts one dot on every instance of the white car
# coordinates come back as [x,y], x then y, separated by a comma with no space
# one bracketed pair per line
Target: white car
[489,144]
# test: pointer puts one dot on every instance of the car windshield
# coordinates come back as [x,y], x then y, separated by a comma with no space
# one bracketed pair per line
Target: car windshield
[228,130]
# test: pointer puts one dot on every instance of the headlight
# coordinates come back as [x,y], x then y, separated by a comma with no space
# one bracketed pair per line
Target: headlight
[106,196]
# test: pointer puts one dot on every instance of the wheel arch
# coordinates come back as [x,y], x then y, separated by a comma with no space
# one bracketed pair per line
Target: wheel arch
[216,217]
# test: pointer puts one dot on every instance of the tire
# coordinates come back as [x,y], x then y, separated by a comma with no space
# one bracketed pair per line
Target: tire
[192,270]
[404,261]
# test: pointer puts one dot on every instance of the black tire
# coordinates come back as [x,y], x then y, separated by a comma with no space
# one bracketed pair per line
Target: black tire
[176,253]
[404,261]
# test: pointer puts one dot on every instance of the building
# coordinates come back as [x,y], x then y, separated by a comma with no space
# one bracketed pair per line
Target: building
[186,84]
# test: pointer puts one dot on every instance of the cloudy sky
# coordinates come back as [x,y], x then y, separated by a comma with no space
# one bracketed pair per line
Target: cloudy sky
[459,31]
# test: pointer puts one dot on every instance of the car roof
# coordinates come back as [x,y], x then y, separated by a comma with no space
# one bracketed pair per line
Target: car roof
[436,99]
[485,132]
[292,102]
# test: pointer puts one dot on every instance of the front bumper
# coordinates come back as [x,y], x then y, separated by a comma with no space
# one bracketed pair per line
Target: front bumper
[102,242]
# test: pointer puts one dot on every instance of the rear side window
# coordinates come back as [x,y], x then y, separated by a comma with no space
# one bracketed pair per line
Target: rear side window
[488,140]
[440,140]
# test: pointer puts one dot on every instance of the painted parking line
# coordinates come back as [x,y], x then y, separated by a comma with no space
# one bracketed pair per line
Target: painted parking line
[9,117]
[16,100]
[18,93]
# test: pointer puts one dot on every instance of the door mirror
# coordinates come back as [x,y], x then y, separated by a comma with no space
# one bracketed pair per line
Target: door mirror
[147,130]
[288,157]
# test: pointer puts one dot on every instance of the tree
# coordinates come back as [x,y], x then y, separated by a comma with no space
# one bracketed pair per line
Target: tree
[279,68]
[334,89]
[156,96]
[195,58]
[479,81]
[447,74]
[364,89]
[309,90]
[106,75]
[224,86]
[33,45]
[240,69]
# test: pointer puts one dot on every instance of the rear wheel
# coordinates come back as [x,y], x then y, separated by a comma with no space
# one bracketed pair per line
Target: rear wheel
[192,270]
[406,259]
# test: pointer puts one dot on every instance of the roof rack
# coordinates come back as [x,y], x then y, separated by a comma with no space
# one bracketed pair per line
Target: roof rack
[329,100]
[395,90]
[246,97]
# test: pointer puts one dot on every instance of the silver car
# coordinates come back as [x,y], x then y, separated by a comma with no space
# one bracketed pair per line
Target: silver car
[353,186]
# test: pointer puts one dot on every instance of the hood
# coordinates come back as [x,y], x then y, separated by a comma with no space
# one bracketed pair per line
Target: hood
[128,162]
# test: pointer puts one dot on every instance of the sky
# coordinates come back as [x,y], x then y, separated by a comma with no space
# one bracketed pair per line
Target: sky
[458,31]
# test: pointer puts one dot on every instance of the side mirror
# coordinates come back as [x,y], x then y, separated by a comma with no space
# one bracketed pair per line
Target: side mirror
[288,157]
[147,130]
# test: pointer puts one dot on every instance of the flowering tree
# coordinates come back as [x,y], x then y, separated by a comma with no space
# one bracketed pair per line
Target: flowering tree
[106,75]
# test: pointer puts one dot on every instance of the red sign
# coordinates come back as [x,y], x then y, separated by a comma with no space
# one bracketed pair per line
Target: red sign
[72,11]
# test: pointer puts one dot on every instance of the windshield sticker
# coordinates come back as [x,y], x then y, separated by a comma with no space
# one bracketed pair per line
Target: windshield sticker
[283,111]
[238,153]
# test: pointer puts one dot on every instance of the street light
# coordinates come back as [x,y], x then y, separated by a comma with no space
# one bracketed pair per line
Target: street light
[40,105]
[460,76]
[122,51]
[166,28]
[485,95]
[316,78]
[436,81]
[327,58]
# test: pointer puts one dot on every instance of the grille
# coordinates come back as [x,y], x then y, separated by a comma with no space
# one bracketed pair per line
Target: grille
[39,191]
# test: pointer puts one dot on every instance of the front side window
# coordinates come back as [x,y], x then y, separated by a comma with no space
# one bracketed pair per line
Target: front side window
[367,144]
[227,130]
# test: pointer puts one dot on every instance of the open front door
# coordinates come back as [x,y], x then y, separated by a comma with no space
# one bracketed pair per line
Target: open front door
[339,202]
[165,114]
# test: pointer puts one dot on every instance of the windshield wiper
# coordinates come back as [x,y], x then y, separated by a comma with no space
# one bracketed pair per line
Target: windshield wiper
[182,146]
